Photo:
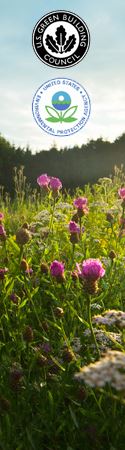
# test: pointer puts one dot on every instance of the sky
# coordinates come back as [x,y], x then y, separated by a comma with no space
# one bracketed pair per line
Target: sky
[101,72]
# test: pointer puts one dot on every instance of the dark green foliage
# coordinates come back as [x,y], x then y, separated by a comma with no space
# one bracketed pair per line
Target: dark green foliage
[74,166]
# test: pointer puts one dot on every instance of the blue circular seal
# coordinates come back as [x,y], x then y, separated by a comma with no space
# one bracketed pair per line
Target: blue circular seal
[61,107]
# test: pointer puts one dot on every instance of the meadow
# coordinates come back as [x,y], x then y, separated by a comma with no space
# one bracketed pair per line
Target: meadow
[62,315]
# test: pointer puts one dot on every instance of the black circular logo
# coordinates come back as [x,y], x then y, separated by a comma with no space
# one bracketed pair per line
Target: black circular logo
[61,39]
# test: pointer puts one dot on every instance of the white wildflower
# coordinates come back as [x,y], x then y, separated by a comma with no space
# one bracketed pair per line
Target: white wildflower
[104,339]
[111,317]
[109,369]
[76,345]
[64,205]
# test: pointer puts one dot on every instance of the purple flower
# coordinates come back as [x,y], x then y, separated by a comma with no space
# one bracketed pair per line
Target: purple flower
[57,269]
[121,192]
[55,184]
[3,273]
[92,269]
[29,271]
[2,230]
[3,235]
[43,180]
[14,298]
[1,216]
[78,267]
[73,227]
[46,347]
[80,202]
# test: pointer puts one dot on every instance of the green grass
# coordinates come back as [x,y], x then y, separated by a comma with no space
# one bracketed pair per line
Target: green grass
[42,406]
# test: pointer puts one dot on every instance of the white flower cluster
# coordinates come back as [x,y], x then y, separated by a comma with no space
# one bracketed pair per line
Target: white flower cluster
[43,216]
[111,317]
[63,205]
[109,369]
[102,337]
[60,215]
[106,261]
[76,345]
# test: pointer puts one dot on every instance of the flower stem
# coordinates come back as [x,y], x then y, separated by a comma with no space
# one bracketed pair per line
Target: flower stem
[80,223]
[91,327]
[73,251]
[51,220]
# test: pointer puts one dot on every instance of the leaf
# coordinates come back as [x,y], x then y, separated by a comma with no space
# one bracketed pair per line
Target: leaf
[23,303]
[70,43]
[35,291]
[76,314]
[51,402]
[51,43]
[30,439]
[49,109]
[57,363]
[9,286]
[61,35]
[13,244]
[52,119]
[73,417]
[73,108]
[69,119]
[54,325]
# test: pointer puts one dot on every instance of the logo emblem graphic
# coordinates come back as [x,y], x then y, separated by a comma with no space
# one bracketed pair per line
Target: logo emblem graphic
[61,102]
[61,107]
[61,39]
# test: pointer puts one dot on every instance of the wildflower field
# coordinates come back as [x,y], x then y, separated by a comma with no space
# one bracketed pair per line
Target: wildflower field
[62,316]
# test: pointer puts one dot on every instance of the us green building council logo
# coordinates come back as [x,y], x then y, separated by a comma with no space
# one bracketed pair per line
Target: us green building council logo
[61,39]
[61,107]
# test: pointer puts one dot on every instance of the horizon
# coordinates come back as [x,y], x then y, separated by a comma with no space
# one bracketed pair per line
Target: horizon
[54,145]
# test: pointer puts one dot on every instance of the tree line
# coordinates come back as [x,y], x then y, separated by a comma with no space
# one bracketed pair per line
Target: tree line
[75,166]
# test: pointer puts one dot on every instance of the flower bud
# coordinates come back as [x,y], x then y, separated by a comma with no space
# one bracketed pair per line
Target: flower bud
[3,273]
[41,360]
[59,312]
[16,374]
[68,355]
[22,236]
[24,265]
[109,217]
[60,278]
[44,268]
[91,287]
[25,225]
[74,238]
[14,298]
[112,255]
[80,212]
[4,404]
[75,218]
[45,325]
[28,334]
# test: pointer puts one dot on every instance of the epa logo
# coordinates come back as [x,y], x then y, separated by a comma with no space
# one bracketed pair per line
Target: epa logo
[61,111]
[61,107]
[61,39]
